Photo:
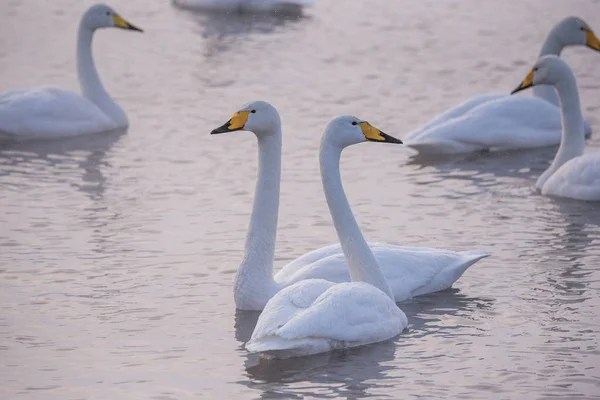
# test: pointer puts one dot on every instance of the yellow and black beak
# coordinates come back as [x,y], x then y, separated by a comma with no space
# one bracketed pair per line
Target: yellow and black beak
[527,83]
[591,40]
[236,123]
[121,23]
[373,134]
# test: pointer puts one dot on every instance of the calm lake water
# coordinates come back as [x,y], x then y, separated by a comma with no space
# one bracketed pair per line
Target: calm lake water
[117,252]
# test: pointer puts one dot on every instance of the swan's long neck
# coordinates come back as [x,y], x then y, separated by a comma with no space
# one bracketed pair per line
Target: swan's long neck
[89,80]
[362,265]
[552,46]
[254,278]
[572,142]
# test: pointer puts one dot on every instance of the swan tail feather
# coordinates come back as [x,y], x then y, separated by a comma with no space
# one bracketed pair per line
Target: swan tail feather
[447,276]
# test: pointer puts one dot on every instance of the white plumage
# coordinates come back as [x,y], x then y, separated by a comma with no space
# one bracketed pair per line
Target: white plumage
[500,121]
[315,315]
[572,173]
[48,112]
[410,271]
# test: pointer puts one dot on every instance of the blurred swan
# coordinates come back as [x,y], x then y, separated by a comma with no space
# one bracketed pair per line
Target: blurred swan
[250,6]
[48,112]
[571,174]
[315,315]
[410,271]
[501,121]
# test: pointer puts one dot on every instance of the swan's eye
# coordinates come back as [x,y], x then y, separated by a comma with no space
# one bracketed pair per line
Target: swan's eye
[253,111]
[354,123]
[535,69]
[108,13]
[582,28]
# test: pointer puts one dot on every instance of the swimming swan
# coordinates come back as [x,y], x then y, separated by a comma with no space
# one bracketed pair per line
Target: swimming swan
[315,315]
[48,112]
[501,121]
[410,271]
[571,174]
[243,6]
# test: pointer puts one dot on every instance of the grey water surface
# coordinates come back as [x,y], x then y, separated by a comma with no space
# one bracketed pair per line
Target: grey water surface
[117,251]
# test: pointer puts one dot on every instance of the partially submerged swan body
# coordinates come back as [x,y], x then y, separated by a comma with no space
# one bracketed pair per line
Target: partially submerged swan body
[572,173]
[48,112]
[504,122]
[315,315]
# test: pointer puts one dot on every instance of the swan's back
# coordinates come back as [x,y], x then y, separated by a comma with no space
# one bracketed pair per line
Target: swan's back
[343,315]
[508,122]
[578,178]
[49,112]
[410,271]
[453,113]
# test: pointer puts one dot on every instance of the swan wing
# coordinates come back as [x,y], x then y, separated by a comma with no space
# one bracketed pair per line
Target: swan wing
[289,273]
[49,112]
[410,271]
[414,271]
[508,122]
[344,315]
[287,304]
[578,178]
[454,112]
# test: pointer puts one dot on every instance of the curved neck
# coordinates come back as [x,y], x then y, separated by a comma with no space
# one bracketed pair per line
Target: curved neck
[262,231]
[572,142]
[89,80]
[362,265]
[552,46]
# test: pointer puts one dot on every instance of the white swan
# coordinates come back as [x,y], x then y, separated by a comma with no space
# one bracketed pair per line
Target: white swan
[410,271]
[47,112]
[246,6]
[315,316]
[571,174]
[501,121]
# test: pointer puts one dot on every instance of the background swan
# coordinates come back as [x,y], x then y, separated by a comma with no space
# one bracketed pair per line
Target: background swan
[267,6]
[501,121]
[571,174]
[410,271]
[47,112]
[315,315]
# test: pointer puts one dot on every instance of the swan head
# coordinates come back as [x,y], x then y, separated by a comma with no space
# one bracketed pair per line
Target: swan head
[548,70]
[347,130]
[573,31]
[258,117]
[102,16]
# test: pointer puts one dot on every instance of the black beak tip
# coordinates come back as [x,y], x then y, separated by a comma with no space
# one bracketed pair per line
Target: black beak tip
[518,89]
[390,139]
[222,129]
[134,28]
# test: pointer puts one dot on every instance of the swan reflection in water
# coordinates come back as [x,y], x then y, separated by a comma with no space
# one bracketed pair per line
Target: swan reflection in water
[222,31]
[568,257]
[55,159]
[76,162]
[485,166]
[237,35]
